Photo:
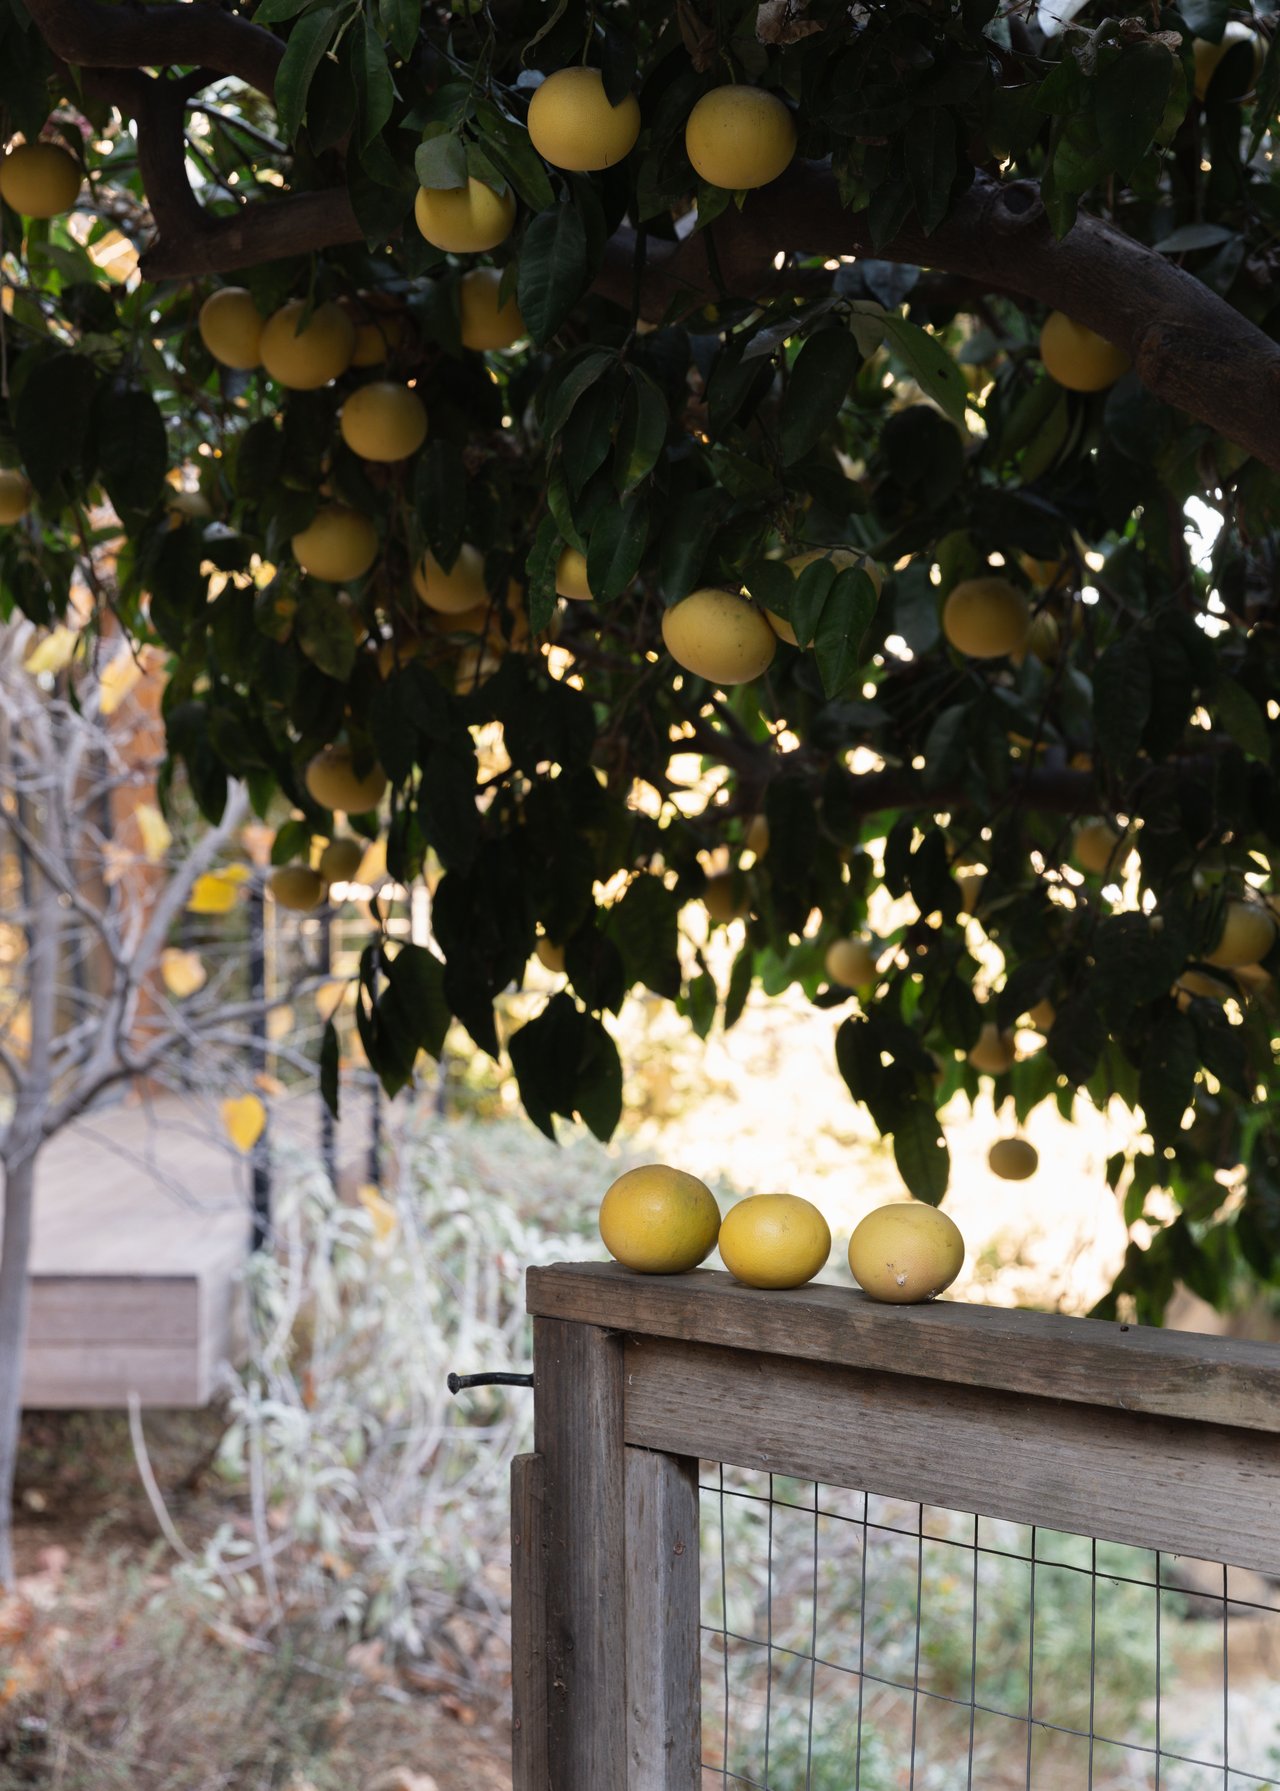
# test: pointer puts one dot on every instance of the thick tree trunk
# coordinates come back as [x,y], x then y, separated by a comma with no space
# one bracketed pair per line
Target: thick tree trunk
[15,1259]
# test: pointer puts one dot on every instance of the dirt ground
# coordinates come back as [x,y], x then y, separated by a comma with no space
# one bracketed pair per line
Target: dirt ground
[112,1674]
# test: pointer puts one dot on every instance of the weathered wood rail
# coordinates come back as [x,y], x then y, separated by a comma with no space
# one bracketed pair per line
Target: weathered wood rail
[1162,1440]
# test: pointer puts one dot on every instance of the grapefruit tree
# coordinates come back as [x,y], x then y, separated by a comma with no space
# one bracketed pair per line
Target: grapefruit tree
[880,403]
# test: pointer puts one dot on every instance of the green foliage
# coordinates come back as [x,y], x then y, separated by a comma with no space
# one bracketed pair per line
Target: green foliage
[701,426]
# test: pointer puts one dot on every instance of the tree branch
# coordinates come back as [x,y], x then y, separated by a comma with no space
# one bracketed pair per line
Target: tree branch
[1189,347]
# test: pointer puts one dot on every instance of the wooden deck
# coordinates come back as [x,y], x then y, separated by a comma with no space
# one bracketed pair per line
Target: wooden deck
[142,1229]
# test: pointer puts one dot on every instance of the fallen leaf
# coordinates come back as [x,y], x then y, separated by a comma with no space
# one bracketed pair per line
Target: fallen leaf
[181,971]
[215,891]
[54,653]
[156,837]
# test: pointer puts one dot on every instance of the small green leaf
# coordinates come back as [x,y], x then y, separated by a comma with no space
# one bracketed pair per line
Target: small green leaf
[1130,102]
[931,164]
[133,450]
[1121,699]
[930,366]
[1166,1079]
[543,558]
[641,432]
[375,89]
[440,162]
[52,419]
[1243,718]
[322,629]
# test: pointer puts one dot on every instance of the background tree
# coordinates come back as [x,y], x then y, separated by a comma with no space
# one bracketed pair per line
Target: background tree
[93,992]
[1007,316]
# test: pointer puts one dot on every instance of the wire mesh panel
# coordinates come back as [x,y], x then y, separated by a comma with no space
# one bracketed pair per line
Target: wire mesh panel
[858,1643]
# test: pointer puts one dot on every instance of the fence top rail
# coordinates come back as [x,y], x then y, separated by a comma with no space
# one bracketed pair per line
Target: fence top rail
[1137,1368]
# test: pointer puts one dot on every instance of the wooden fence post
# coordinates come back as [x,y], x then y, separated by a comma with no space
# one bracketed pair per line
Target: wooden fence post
[578,1434]
[664,1669]
[529,1767]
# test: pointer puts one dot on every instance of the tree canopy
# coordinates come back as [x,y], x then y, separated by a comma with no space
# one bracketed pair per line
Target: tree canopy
[978,397]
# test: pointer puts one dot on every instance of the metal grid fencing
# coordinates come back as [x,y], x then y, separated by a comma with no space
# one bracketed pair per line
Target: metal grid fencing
[858,1643]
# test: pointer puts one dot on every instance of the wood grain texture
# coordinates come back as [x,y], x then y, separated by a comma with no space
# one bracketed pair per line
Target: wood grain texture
[530,1770]
[1124,1368]
[664,1659]
[125,1309]
[578,1433]
[1186,1487]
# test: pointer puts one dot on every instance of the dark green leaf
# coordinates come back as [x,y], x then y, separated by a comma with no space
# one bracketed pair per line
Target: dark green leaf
[616,545]
[544,556]
[322,628]
[375,90]
[329,1068]
[308,41]
[553,270]
[931,164]
[933,369]
[840,642]
[440,498]
[1167,1076]
[816,388]
[1121,699]
[441,161]
[133,450]
[641,432]
[52,419]
[1130,103]
[1243,717]
[920,1151]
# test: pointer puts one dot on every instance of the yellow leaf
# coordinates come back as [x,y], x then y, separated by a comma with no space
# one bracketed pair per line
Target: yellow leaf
[244,1117]
[329,998]
[156,837]
[116,679]
[116,860]
[280,1022]
[54,653]
[182,971]
[380,1211]
[373,866]
[215,891]
[271,1085]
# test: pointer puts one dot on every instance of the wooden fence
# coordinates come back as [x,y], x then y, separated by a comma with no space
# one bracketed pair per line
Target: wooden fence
[1160,1440]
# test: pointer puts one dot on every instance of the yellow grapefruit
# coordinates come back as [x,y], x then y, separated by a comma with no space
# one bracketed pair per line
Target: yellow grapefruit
[337,544]
[658,1220]
[739,137]
[383,421]
[1248,932]
[720,636]
[1013,1159]
[994,1052]
[333,782]
[483,322]
[39,180]
[341,859]
[295,886]
[231,328]
[15,495]
[571,575]
[774,1240]
[851,963]
[905,1253]
[455,592]
[303,356]
[572,124]
[464,220]
[985,618]
[1077,358]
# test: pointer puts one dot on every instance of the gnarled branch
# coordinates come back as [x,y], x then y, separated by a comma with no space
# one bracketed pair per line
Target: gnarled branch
[1189,347]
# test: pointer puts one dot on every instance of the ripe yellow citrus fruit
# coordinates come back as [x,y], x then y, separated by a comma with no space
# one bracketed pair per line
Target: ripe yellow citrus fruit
[456,591]
[1248,932]
[757,835]
[1013,1159]
[994,1052]
[905,1253]
[15,495]
[571,575]
[851,963]
[464,220]
[659,1220]
[295,886]
[985,618]
[1207,56]
[337,544]
[724,898]
[572,124]
[551,957]
[774,1240]
[333,782]
[739,137]
[1042,1015]
[341,859]
[301,356]
[1211,988]
[841,558]
[231,328]
[375,339]
[39,180]
[1077,358]
[1096,846]
[383,421]
[483,322]
[718,635]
